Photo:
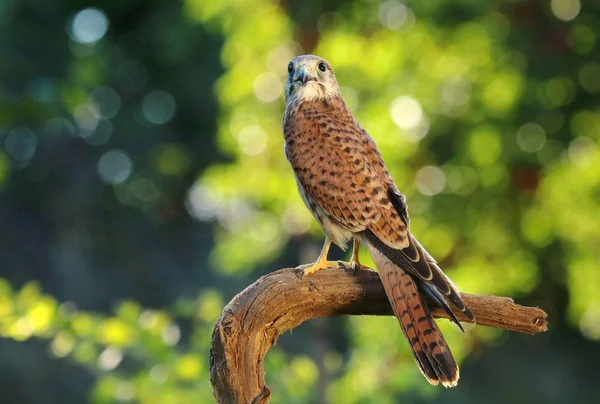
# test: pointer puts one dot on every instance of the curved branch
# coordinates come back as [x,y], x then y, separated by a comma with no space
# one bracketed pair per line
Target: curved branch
[251,323]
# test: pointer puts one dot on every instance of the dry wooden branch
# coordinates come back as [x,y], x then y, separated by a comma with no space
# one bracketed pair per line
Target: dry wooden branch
[251,323]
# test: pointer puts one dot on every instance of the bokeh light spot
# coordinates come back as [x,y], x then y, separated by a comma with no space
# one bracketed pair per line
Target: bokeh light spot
[125,391]
[303,370]
[107,102]
[565,10]
[406,112]
[235,213]
[114,166]
[462,180]
[209,306]
[202,202]
[531,137]
[551,152]
[267,87]
[150,320]
[556,92]
[393,15]
[117,332]
[172,159]
[430,180]
[109,359]
[145,190]
[188,367]
[87,118]
[252,140]
[581,39]
[589,77]
[159,107]
[62,344]
[295,220]
[22,329]
[171,334]
[455,97]
[501,92]
[279,57]
[485,145]
[159,374]
[88,26]
[20,144]
[582,151]
[266,229]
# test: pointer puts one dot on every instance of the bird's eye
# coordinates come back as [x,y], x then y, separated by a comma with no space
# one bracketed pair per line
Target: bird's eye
[290,67]
[322,66]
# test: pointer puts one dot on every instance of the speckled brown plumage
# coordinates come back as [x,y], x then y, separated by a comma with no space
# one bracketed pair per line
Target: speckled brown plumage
[340,169]
[343,180]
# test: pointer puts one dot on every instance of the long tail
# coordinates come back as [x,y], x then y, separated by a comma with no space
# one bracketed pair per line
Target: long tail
[428,345]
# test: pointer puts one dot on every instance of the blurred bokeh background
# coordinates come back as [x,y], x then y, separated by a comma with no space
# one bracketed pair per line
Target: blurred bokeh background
[143,184]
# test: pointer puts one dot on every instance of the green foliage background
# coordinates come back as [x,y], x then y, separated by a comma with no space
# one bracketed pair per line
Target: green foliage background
[143,184]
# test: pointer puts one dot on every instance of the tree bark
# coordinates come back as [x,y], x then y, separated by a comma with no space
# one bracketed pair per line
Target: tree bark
[253,320]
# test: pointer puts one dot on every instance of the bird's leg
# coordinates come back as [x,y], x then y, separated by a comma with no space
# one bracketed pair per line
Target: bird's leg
[354,262]
[321,262]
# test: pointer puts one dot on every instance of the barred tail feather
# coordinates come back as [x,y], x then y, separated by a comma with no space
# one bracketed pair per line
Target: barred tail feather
[417,262]
[430,350]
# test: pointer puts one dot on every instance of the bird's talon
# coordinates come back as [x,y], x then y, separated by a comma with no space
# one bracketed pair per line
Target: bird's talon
[356,266]
[317,266]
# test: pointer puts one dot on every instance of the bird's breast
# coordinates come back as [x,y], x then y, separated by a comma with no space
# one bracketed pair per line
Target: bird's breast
[327,128]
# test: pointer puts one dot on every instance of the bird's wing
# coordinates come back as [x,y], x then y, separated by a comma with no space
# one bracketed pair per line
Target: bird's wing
[413,258]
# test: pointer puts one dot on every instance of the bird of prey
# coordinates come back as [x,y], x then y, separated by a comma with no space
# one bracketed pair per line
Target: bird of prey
[344,182]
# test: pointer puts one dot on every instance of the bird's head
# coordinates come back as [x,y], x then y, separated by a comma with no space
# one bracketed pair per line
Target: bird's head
[310,78]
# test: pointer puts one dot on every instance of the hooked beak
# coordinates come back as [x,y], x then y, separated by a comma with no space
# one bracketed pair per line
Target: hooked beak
[302,75]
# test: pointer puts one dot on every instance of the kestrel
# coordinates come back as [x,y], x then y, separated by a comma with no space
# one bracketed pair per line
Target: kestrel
[344,182]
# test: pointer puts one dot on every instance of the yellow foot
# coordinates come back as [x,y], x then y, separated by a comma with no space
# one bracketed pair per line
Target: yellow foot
[354,262]
[317,266]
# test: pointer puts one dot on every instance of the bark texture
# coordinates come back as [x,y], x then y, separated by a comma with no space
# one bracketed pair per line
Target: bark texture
[253,320]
